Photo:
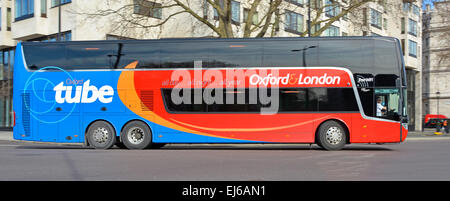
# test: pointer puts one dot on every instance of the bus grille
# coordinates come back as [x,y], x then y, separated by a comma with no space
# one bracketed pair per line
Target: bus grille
[146,100]
[26,113]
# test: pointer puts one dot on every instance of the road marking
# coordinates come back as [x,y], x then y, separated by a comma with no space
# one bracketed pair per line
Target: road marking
[8,145]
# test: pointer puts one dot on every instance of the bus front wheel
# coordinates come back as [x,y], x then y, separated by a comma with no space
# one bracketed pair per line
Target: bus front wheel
[331,135]
[136,135]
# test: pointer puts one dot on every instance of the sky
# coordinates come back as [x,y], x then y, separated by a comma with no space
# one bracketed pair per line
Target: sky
[425,2]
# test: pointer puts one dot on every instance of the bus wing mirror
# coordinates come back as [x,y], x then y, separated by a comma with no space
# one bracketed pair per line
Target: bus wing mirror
[398,82]
[404,120]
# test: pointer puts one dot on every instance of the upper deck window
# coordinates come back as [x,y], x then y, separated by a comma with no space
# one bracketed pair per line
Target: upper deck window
[94,56]
[358,55]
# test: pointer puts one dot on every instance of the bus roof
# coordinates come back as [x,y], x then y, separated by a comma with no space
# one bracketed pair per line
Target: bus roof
[209,39]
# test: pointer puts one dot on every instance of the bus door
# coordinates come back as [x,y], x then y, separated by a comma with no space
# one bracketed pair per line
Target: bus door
[387,106]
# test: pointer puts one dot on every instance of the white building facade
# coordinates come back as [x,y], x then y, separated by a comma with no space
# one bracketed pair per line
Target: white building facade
[436,62]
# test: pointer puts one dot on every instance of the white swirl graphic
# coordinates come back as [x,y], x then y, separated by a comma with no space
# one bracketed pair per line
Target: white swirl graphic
[37,86]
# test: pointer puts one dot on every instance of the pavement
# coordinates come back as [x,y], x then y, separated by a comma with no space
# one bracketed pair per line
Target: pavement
[6,135]
[427,134]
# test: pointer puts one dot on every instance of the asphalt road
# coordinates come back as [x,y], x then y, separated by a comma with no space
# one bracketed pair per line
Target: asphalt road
[416,159]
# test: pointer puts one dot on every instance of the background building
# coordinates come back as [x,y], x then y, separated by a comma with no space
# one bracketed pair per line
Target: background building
[436,62]
[38,20]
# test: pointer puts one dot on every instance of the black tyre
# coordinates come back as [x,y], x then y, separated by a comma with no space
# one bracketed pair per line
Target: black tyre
[332,136]
[318,142]
[136,135]
[120,145]
[101,135]
[157,145]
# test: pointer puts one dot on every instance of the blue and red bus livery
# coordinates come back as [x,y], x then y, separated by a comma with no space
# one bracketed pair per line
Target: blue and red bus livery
[103,93]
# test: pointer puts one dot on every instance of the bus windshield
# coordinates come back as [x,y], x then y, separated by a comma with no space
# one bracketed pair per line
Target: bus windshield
[388,102]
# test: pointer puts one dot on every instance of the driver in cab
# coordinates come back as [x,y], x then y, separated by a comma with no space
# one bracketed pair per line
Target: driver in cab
[381,110]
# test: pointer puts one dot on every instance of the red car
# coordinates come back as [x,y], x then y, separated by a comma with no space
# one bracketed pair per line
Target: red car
[431,119]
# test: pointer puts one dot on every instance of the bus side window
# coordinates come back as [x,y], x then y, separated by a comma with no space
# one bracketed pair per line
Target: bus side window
[97,56]
[183,55]
[147,55]
[290,54]
[235,54]
[54,55]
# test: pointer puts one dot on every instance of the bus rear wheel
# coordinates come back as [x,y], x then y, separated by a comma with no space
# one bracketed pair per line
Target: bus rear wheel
[101,135]
[331,136]
[136,135]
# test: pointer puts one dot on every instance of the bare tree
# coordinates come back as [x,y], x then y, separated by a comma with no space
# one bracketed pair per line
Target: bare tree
[262,17]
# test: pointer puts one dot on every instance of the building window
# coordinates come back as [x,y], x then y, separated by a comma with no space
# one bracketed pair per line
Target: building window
[8,19]
[43,8]
[331,10]
[297,2]
[56,2]
[24,9]
[316,4]
[403,26]
[255,16]
[416,10]
[148,8]
[403,46]
[315,28]
[364,16]
[114,37]
[345,17]
[235,11]
[331,31]
[276,24]
[375,18]
[412,27]
[65,36]
[412,48]
[205,8]
[6,71]
[406,6]
[385,25]
[294,22]
[375,34]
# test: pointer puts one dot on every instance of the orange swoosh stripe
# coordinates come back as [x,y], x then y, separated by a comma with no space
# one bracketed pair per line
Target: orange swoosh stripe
[132,101]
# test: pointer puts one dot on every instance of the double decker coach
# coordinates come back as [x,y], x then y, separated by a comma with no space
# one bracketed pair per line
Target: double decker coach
[138,94]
